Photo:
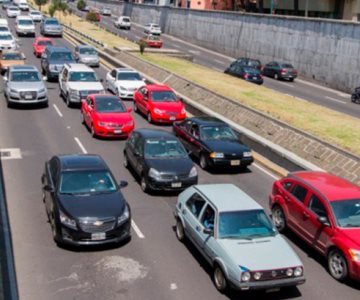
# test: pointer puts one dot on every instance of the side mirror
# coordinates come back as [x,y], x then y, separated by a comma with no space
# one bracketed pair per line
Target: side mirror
[129,109]
[123,184]
[5,78]
[44,78]
[323,221]
[208,231]
[48,188]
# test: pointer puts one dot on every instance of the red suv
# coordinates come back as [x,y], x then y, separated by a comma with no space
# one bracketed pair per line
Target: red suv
[324,210]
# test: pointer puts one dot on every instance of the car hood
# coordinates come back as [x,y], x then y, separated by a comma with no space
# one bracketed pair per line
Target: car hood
[7,63]
[352,234]
[117,118]
[26,86]
[226,146]
[175,166]
[250,253]
[85,86]
[135,84]
[26,26]
[7,42]
[169,106]
[100,206]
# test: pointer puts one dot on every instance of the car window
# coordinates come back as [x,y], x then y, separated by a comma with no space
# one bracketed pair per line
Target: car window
[139,146]
[195,204]
[53,168]
[132,139]
[317,206]
[287,185]
[113,73]
[164,149]
[83,76]
[194,131]
[128,76]
[109,104]
[299,193]
[187,125]
[208,217]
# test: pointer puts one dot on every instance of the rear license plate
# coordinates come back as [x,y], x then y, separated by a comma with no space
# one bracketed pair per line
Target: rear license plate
[117,131]
[172,118]
[98,236]
[176,185]
[235,162]
[254,78]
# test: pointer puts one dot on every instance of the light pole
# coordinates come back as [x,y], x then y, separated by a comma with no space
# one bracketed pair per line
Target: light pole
[306,8]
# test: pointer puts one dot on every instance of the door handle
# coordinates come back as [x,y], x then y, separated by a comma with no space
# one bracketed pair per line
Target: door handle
[183,212]
[306,215]
[197,228]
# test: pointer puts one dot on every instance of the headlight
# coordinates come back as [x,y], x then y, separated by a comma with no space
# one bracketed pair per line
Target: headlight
[122,88]
[124,216]
[193,172]
[245,276]
[257,275]
[13,91]
[247,154]
[298,271]
[154,173]
[42,91]
[355,254]
[217,155]
[74,92]
[65,220]
[289,272]
[159,111]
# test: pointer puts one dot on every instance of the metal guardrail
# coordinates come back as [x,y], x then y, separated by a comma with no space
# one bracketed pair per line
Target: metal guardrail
[101,44]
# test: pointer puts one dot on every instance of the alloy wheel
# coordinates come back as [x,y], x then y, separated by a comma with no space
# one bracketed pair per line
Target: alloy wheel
[143,184]
[219,279]
[278,218]
[180,233]
[337,265]
[203,162]
[126,162]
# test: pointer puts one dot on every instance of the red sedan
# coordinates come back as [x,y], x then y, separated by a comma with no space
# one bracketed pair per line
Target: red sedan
[159,103]
[40,44]
[323,210]
[107,116]
[153,41]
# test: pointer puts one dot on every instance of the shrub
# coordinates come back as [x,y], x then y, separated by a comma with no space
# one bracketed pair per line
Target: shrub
[81,4]
[92,16]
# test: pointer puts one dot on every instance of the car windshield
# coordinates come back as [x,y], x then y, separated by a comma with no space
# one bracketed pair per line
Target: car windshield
[6,37]
[347,212]
[217,133]
[26,22]
[12,56]
[109,105]
[24,76]
[83,76]
[51,22]
[246,224]
[155,26]
[4,28]
[128,76]
[67,56]
[164,149]
[87,182]
[88,51]
[44,43]
[288,66]
[126,20]
[163,96]
[35,13]
[13,8]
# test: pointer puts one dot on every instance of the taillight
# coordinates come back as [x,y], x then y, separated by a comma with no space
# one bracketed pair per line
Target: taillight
[246,75]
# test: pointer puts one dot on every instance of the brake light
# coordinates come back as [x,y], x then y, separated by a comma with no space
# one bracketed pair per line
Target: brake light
[246,75]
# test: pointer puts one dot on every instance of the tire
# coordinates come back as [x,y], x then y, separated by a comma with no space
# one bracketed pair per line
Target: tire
[291,79]
[144,185]
[67,99]
[278,218]
[135,108]
[337,265]
[92,129]
[126,162]
[149,119]
[179,231]
[276,76]
[203,162]
[54,229]
[220,280]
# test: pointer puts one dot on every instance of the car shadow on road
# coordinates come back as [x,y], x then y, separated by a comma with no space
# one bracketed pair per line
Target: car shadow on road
[284,293]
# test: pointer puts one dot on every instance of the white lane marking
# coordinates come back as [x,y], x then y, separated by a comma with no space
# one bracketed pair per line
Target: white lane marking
[265,171]
[343,95]
[173,286]
[68,127]
[194,52]
[137,230]
[176,46]
[323,88]
[80,145]
[58,111]
[10,153]
[336,100]
[286,84]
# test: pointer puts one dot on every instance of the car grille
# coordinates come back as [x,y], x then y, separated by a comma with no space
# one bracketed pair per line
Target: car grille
[233,155]
[116,125]
[174,176]
[29,95]
[273,275]
[172,113]
[91,225]
[131,89]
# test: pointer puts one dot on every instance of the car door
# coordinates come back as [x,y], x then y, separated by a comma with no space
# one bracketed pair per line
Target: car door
[50,180]
[316,233]
[62,80]
[195,146]
[142,100]
[183,133]
[111,80]
[89,109]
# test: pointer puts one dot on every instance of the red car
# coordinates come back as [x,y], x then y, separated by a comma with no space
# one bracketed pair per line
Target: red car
[153,41]
[159,103]
[107,116]
[40,44]
[323,210]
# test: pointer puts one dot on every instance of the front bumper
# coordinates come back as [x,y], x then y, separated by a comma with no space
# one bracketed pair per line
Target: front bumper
[269,284]
[232,163]
[53,32]
[16,98]
[80,238]
[26,31]
[91,63]
[164,118]
[288,76]
[106,131]
[126,94]
[173,184]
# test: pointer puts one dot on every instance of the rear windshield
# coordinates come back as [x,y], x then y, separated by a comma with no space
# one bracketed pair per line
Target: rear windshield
[62,56]
[288,66]
[126,19]
[26,22]
[51,22]
[12,56]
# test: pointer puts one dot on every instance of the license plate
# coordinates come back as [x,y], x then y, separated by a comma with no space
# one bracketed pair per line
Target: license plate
[235,162]
[28,97]
[254,78]
[98,236]
[272,290]
[176,185]
[172,118]
[117,131]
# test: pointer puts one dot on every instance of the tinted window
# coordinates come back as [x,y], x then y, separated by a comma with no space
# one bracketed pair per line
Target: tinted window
[164,149]
[88,51]
[195,204]
[44,43]
[109,105]
[347,212]
[128,76]
[217,133]
[12,56]
[24,76]
[82,76]
[26,22]
[317,206]
[287,66]
[6,37]
[62,56]
[51,22]
[299,192]
[208,217]
[4,28]
[163,96]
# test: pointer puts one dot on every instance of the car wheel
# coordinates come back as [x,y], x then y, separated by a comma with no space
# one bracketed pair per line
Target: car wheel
[337,265]
[82,119]
[353,98]
[278,217]
[179,230]
[149,118]
[220,279]
[92,129]
[126,162]
[291,79]
[54,230]
[203,162]
[276,76]
[144,184]
[68,102]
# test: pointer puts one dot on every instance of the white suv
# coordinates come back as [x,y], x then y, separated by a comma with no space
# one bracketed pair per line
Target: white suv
[77,81]
[123,22]
[152,28]
[7,41]
[123,82]
[24,25]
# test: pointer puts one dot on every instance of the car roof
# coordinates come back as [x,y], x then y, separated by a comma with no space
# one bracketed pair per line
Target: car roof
[157,87]
[205,120]
[127,70]
[23,68]
[332,187]
[227,197]
[155,133]
[73,162]
[58,49]
[79,67]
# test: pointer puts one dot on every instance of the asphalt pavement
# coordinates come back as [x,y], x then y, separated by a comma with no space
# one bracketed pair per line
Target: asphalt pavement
[153,265]
[300,88]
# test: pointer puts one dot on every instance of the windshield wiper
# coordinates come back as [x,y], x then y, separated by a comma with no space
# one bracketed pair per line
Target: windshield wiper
[236,237]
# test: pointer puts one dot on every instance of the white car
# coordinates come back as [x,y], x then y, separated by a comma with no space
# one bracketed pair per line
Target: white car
[4,21]
[7,41]
[23,6]
[4,28]
[13,11]
[35,15]
[123,82]
[77,81]
[152,28]
[123,22]
[24,25]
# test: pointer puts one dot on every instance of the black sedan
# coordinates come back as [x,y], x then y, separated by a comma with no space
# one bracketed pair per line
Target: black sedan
[159,160]
[213,142]
[83,202]
[247,73]
[280,70]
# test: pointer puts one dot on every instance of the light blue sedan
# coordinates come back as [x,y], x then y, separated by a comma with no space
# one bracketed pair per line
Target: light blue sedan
[234,234]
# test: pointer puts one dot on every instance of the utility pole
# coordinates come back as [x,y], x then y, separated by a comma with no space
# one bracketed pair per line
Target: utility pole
[306,8]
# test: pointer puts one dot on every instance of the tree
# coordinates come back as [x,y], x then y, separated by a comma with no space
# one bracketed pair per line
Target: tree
[52,9]
[57,5]
[40,3]
[81,4]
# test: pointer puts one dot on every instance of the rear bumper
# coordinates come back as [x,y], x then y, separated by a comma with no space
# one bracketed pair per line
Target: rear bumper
[231,163]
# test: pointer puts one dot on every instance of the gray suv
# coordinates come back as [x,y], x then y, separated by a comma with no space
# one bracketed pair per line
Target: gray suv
[51,26]
[24,85]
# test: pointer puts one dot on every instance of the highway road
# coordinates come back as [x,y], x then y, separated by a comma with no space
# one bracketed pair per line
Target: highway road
[153,265]
[312,92]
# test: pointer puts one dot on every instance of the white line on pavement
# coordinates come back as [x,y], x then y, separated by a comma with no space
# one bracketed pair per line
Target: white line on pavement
[194,52]
[58,111]
[286,84]
[173,286]
[323,88]
[336,100]
[265,171]
[137,230]
[80,145]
